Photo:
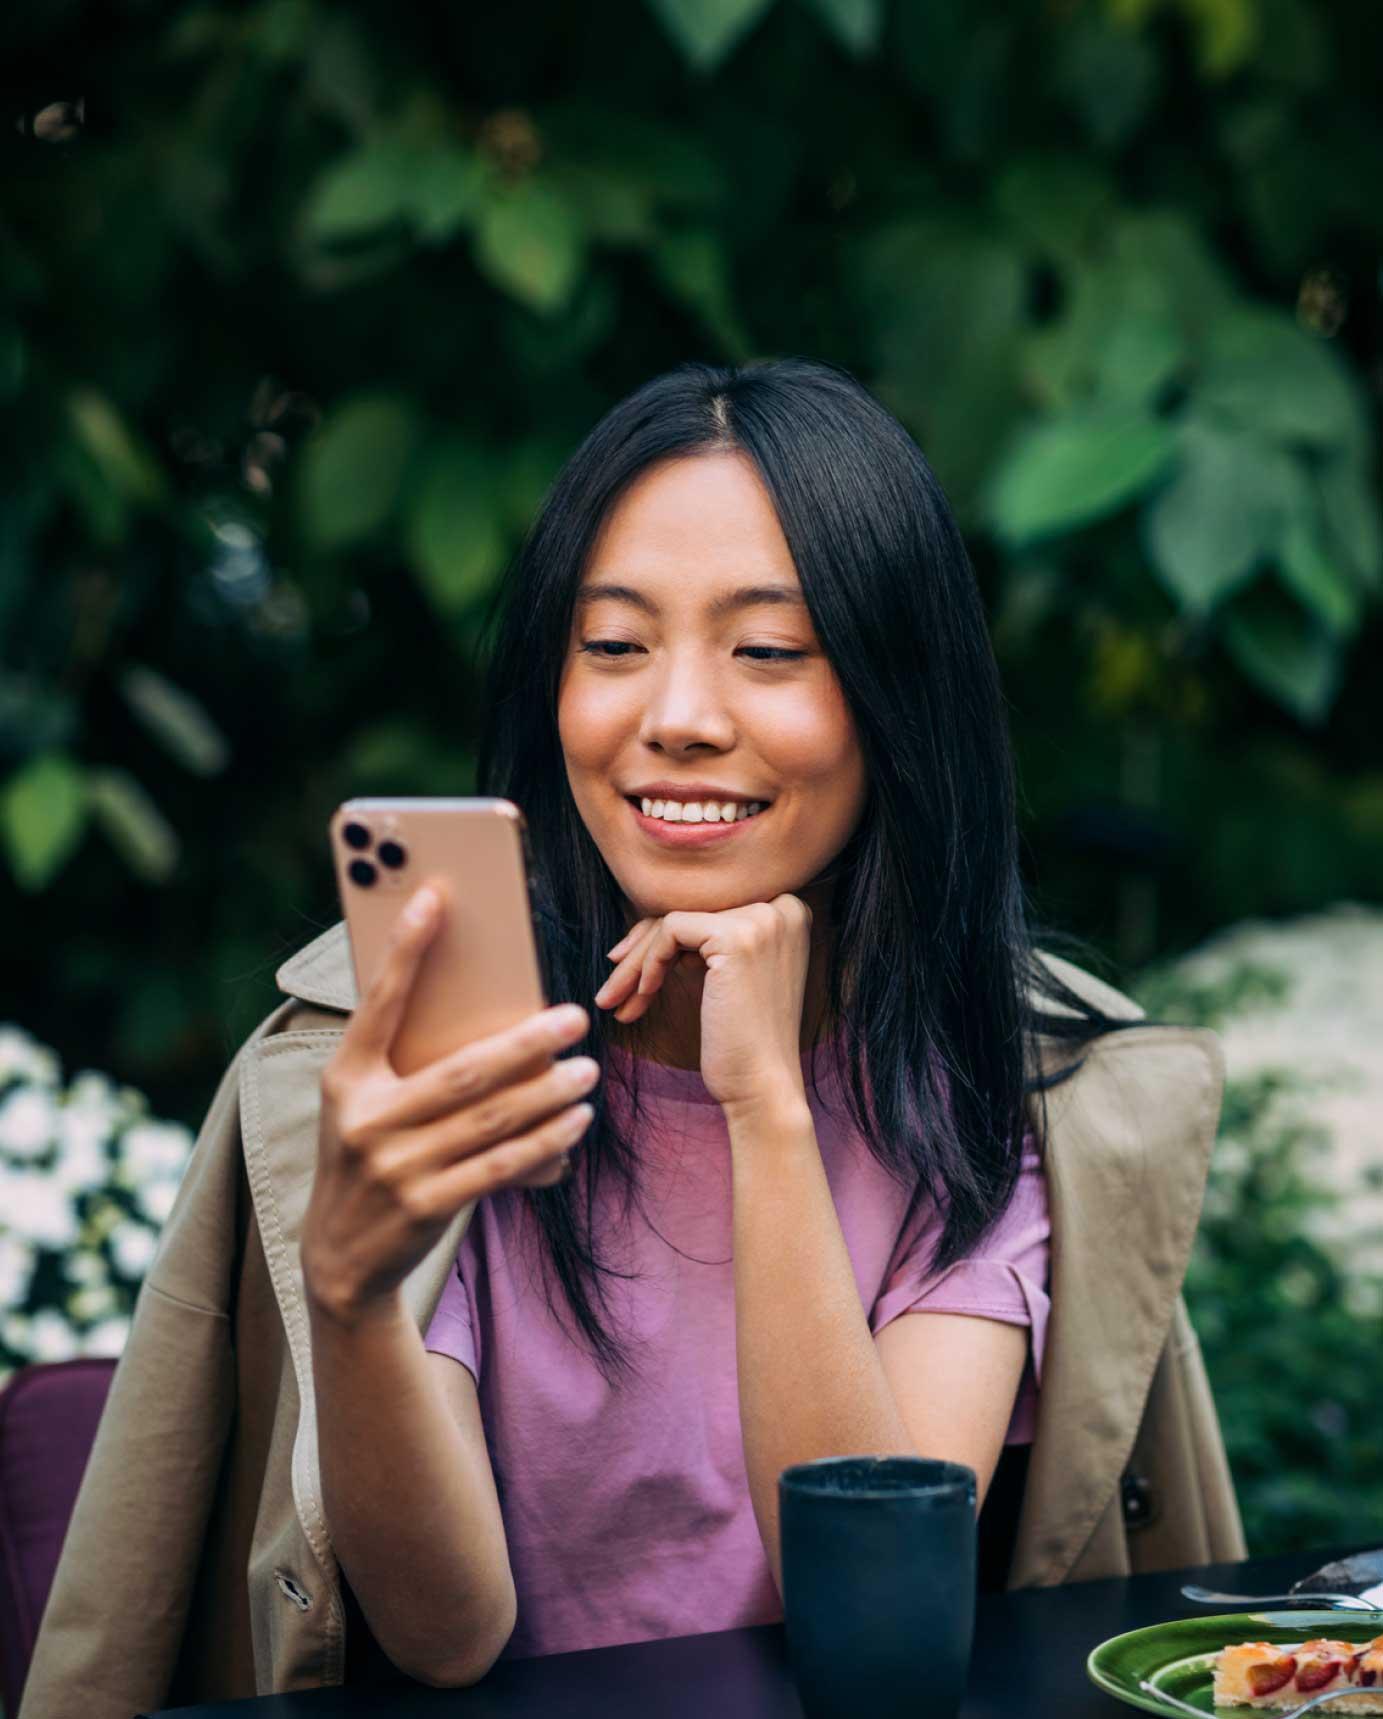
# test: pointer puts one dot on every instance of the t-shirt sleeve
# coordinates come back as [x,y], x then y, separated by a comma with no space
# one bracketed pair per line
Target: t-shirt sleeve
[452,1328]
[1005,1278]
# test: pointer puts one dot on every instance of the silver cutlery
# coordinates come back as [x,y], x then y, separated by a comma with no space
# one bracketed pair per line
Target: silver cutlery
[1278,1713]
[1323,1602]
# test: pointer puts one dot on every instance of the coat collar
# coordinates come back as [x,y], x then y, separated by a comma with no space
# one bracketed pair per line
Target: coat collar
[322,972]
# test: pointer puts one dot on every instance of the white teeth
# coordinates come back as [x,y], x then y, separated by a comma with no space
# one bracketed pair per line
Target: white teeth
[702,811]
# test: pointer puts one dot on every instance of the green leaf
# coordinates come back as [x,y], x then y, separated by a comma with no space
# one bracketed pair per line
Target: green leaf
[1286,653]
[1226,33]
[134,824]
[1056,203]
[1066,472]
[352,468]
[693,267]
[1351,512]
[529,244]
[121,457]
[1264,371]
[1140,356]
[43,810]
[176,719]
[706,30]
[1316,578]
[454,532]
[1207,530]
[856,24]
[1109,77]
[435,190]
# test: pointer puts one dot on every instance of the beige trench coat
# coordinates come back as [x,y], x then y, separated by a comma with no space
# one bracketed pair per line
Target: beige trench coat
[199,1562]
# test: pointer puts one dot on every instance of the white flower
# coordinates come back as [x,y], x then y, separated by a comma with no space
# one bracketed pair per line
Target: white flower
[134,1248]
[153,1149]
[85,1267]
[28,1122]
[37,1207]
[83,1163]
[51,1338]
[87,1305]
[17,1261]
[14,1333]
[155,1200]
[23,1057]
[107,1338]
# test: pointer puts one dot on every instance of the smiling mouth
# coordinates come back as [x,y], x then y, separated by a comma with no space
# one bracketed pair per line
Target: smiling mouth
[675,812]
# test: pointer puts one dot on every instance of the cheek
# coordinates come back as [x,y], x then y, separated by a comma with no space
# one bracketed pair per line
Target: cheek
[591,723]
[816,749]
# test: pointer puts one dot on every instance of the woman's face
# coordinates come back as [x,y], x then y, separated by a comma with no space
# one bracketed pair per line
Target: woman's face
[694,677]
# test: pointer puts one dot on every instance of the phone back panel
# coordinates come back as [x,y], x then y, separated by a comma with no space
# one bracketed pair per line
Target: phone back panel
[480,971]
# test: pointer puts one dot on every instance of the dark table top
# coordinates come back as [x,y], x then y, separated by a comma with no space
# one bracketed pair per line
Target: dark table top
[1029,1659]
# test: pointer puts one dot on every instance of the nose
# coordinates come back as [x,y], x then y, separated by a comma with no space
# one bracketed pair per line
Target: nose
[685,707]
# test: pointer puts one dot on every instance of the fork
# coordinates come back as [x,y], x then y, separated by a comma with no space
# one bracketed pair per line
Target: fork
[1289,1713]
[1328,1602]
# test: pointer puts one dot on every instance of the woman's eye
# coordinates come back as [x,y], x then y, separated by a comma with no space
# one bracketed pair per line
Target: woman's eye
[614,649]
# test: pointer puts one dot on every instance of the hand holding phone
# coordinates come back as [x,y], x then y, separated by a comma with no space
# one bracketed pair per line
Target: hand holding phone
[398,1156]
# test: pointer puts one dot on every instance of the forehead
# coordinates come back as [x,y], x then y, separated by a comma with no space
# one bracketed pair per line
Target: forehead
[708,517]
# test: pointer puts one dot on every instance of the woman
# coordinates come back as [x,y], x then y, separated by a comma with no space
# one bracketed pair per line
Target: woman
[807,1216]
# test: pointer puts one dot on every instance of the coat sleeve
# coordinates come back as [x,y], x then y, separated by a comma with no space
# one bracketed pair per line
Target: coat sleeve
[112,1628]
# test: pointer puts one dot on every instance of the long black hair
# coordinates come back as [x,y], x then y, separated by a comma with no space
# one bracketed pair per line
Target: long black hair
[934,973]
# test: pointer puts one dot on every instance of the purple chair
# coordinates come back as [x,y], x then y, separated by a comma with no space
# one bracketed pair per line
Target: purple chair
[48,1418]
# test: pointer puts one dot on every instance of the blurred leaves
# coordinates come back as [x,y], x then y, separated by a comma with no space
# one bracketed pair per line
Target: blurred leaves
[43,809]
[353,468]
[303,312]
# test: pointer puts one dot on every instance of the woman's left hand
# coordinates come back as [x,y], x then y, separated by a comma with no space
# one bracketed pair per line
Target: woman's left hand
[751,1004]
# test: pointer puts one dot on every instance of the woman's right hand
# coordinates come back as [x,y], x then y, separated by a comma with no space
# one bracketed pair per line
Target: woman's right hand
[399,1155]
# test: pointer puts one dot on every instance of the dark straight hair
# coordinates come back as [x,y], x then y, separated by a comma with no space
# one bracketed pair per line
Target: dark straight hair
[935,984]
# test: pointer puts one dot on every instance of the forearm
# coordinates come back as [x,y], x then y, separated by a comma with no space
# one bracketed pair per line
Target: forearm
[810,1380]
[416,1527]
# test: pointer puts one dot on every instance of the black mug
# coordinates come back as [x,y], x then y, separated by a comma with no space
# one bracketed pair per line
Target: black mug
[878,1584]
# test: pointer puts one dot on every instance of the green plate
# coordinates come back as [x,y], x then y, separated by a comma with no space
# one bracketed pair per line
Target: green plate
[1179,1656]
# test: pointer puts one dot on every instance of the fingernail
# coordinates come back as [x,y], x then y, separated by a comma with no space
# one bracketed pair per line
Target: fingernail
[419,910]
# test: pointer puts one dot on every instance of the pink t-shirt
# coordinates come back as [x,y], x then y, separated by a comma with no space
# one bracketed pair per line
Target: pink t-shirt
[627,1512]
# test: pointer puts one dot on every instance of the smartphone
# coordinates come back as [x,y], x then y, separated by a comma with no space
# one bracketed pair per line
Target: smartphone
[480,971]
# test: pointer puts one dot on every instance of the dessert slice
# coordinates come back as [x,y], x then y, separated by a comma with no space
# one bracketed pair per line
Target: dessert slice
[1284,1674]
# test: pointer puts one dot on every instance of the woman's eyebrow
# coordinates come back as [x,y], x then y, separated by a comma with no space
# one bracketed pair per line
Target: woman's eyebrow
[746,597]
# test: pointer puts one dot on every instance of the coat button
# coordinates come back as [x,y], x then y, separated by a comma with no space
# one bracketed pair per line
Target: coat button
[1137,1493]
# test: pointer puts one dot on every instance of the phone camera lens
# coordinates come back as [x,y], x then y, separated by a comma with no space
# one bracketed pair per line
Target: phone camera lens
[356,836]
[391,854]
[362,872]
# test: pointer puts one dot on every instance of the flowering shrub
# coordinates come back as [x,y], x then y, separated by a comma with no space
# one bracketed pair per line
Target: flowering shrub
[87,1178]
[1285,1285]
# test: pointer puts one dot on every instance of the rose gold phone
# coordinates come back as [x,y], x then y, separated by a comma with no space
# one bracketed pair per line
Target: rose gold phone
[480,971]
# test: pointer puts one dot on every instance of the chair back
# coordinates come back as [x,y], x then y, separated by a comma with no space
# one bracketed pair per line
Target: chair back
[48,1418]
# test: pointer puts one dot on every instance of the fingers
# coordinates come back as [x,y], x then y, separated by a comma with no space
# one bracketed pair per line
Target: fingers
[503,1166]
[376,1017]
[622,981]
[637,929]
[509,1113]
[480,1068]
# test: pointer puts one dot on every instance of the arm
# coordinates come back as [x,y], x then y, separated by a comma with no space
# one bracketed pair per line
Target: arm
[813,1381]
[410,1495]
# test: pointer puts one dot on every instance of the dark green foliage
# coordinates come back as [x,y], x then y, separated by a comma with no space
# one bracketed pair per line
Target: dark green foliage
[301,306]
